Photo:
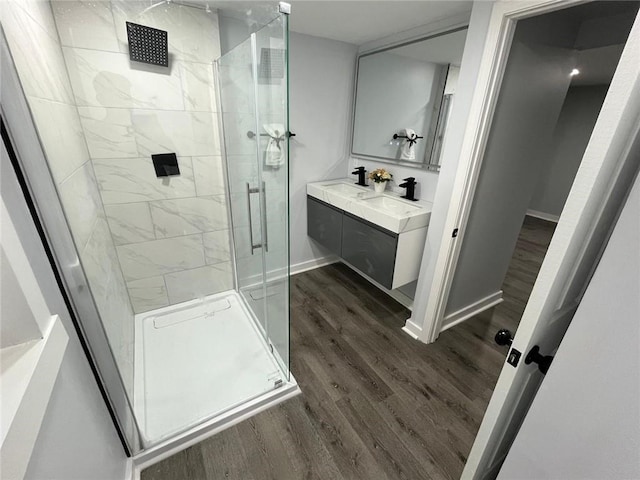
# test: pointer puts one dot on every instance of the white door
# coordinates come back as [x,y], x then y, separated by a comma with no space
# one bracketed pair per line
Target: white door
[584,421]
[602,182]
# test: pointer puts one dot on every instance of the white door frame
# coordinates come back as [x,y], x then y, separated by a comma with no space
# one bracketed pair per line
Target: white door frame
[504,17]
[609,166]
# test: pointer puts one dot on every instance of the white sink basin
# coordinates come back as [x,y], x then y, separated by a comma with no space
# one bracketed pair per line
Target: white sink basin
[386,210]
[395,207]
[345,189]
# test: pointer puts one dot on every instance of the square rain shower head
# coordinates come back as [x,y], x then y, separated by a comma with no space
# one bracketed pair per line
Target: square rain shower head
[147,45]
[271,64]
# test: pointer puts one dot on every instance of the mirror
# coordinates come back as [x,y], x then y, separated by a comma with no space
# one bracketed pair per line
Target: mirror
[403,99]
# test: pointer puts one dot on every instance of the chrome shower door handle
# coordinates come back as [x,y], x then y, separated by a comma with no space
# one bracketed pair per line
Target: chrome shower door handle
[263,219]
[265,237]
[250,219]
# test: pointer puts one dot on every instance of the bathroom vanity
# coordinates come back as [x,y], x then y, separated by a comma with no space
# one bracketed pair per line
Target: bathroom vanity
[380,235]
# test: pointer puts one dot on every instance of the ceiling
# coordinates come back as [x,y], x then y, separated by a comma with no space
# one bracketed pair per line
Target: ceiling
[356,22]
[359,22]
[604,24]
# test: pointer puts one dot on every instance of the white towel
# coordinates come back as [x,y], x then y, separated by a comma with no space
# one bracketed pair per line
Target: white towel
[408,151]
[275,151]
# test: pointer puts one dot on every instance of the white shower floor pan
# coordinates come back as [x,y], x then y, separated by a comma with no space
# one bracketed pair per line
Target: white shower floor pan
[196,360]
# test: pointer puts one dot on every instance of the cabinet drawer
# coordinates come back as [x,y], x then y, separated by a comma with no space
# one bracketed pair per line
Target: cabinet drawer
[370,249]
[324,224]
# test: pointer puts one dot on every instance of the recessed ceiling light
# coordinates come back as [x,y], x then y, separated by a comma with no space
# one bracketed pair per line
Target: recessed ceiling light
[574,72]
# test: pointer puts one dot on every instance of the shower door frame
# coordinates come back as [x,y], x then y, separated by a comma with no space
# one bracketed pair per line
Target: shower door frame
[57,240]
[289,389]
[283,363]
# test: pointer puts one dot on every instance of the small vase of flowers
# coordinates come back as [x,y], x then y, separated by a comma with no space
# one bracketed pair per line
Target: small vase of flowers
[380,178]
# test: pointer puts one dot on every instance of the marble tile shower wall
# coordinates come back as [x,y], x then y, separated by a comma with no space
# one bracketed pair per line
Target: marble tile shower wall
[171,234]
[34,43]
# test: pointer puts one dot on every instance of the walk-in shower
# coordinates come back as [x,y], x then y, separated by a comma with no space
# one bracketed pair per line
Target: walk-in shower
[165,199]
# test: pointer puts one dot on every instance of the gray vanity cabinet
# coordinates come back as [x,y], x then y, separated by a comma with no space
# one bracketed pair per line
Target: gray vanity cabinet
[369,248]
[324,225]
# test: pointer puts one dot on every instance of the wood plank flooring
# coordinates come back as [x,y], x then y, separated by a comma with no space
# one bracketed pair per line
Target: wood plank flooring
[376,404]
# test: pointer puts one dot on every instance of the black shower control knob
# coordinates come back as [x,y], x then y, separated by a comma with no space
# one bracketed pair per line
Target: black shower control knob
[504,337]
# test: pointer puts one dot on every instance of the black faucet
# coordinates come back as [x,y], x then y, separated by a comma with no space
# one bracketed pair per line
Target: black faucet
[360,171]
[410,185]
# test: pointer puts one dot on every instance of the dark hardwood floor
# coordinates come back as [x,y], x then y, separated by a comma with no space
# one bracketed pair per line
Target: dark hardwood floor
[376,404]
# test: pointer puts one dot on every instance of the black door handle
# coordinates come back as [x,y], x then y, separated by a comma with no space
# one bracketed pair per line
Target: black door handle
[504,337]
[543,361]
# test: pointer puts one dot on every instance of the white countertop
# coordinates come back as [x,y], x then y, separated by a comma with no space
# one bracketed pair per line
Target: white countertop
[388,210]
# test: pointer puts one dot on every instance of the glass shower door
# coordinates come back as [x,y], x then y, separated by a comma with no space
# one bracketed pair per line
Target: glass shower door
[239,114]
[273,152]
[254,98]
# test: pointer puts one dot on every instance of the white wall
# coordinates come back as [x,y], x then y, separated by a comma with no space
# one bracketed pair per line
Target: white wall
[17,321]
[77,439]
[577,119]
[584,420]
[442,184]
[321,94]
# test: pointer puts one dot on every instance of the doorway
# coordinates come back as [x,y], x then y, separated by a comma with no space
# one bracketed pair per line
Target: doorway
[556,80]
[522,161]
[575,124]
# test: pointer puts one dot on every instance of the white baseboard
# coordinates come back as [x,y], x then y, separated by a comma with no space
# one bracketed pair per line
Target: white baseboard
[280,273]
[544,216]
[471,310]
[412,329]
[313,263]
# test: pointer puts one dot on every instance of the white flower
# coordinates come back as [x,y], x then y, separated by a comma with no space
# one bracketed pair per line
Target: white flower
[380,175]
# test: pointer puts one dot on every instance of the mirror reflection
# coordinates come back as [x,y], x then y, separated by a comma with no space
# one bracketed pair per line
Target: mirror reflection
[403,99]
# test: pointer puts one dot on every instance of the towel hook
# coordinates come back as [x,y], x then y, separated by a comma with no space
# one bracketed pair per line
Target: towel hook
[410,140]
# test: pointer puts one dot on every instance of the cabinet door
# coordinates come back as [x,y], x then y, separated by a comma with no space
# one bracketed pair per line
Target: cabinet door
[369,248]
[324,224]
